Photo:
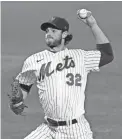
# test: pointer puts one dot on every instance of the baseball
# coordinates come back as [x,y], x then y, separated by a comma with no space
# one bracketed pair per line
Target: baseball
[83,13]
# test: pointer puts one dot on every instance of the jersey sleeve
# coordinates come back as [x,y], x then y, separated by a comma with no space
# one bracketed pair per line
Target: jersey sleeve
[92,60]
[28,74]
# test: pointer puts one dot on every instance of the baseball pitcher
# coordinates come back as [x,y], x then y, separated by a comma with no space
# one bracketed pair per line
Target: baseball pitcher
[61,76]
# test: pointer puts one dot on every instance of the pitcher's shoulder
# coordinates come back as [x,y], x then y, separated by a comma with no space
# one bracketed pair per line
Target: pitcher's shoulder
[77,50]
[36,56]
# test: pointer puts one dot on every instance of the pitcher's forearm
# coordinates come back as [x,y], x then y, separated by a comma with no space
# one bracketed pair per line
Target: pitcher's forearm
[98,34]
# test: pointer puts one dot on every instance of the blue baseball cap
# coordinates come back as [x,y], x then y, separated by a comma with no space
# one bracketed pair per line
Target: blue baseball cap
[56,22]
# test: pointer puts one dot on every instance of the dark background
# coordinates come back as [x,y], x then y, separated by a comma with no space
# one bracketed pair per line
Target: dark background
[21,37]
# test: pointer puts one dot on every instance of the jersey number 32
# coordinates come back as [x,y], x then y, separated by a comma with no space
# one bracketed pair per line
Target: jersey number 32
[73,79]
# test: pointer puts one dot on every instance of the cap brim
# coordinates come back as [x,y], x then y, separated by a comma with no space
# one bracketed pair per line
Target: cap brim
[44,26]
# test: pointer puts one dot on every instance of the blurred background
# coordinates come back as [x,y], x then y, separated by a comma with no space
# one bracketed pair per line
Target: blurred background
[21,36]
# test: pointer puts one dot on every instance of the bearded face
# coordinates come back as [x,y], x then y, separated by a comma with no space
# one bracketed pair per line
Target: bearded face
[53,37]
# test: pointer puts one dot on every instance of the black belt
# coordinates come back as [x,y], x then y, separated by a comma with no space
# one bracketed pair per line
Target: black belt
[60,123]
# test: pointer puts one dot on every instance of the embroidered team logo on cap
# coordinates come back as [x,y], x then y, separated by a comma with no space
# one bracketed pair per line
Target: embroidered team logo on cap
[53,18]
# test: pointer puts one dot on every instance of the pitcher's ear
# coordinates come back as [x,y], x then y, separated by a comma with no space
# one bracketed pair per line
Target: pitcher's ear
[64,34]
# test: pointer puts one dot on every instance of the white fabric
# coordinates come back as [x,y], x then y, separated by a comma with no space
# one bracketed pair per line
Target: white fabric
[80,130]
[62,82]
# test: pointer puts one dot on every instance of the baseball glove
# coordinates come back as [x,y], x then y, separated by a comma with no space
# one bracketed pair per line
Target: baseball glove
[16,102]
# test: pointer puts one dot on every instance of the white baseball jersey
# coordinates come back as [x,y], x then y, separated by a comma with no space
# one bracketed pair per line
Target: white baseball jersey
[61,78]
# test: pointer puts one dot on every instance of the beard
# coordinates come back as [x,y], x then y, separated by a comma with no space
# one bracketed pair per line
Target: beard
[53,42]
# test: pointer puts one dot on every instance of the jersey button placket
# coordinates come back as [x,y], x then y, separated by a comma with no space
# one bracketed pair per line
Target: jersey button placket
[58,83]
[54,63]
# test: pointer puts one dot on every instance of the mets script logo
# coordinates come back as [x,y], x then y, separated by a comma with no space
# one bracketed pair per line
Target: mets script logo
[44,71]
